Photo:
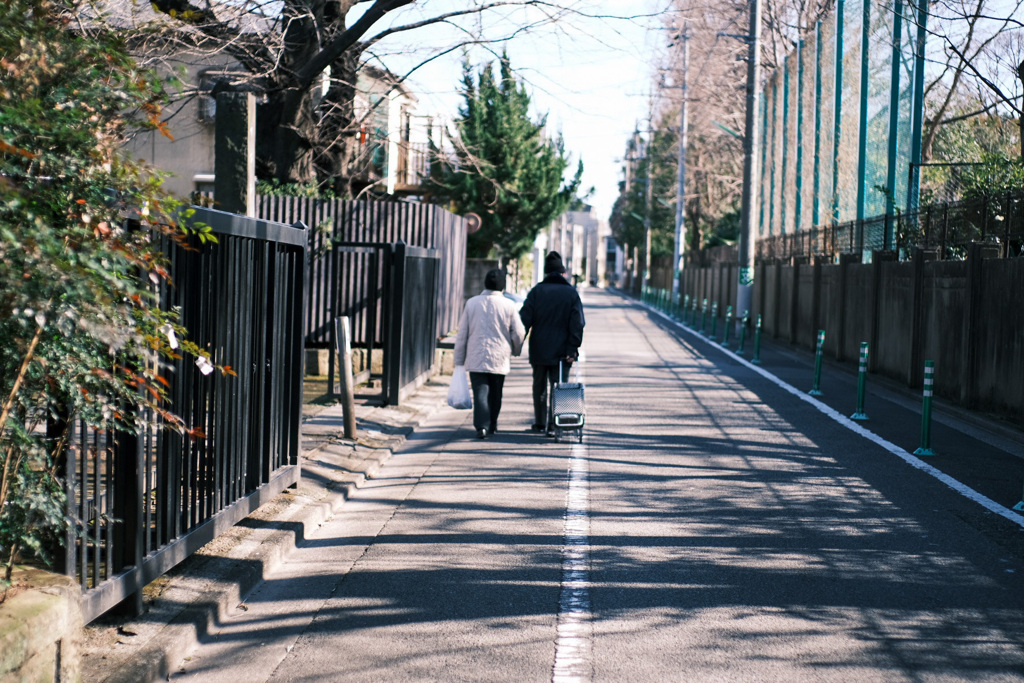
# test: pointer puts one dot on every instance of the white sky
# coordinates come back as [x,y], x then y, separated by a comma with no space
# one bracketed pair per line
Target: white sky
[590,75]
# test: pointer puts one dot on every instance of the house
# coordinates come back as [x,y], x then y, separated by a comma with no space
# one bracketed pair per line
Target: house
[393,139]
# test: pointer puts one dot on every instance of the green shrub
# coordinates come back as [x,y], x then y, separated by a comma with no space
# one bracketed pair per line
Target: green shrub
[81,226]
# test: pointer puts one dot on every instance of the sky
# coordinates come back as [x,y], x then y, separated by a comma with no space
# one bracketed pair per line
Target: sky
[590,74]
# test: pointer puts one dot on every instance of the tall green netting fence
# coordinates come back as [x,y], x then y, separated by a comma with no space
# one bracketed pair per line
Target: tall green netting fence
[837,124]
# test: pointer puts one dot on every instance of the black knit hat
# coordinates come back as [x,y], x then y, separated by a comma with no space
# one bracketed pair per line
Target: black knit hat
[495,279]
[553,263]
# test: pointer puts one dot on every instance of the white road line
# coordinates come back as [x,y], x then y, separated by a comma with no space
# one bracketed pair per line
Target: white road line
[574,634]
[907,457]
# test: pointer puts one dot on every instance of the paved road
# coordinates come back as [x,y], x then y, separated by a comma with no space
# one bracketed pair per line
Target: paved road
[712,527]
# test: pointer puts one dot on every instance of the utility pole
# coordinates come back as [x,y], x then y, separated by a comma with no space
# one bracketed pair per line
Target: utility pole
[745,286]
[647,198]
[677,257]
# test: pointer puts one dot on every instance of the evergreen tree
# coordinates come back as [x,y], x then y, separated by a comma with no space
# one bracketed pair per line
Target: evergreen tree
[504,169]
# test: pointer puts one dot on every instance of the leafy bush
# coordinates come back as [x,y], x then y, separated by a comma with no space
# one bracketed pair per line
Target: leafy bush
[82,338]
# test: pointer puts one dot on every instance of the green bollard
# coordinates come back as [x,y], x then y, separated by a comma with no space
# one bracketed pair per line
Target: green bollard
[862,377]
[756,360]
[743,333]
[816,389]
[1019,507]
[714,321]
[728,324]
[685,309]
[693,314]
[926,411]
[704,317]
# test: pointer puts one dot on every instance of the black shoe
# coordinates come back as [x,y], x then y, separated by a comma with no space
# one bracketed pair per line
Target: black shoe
[493,429]
[481,433]
[550,432]
[535,427]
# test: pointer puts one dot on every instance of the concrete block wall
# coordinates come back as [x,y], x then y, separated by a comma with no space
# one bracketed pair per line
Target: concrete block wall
[41,630]
[960,314]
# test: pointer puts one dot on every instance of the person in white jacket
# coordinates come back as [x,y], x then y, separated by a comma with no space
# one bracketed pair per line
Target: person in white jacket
[490,333]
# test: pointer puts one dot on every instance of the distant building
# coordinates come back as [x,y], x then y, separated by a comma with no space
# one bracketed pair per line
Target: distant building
[582,240]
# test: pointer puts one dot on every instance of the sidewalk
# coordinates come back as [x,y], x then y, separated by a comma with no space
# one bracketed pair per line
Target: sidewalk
[207,586]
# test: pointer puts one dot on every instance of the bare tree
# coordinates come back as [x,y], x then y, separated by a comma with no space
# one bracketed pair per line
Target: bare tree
[302,58]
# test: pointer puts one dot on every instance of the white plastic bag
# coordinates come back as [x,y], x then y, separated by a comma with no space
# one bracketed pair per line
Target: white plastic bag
[459,395]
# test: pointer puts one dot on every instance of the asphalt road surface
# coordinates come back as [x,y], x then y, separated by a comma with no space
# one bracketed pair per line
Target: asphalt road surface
[712,526]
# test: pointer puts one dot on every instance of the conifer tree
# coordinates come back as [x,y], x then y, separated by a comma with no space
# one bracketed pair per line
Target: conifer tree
[504,168]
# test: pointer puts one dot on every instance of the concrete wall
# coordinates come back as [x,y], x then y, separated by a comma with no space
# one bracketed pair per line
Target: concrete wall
[476,270]
[955,313]
[41,630]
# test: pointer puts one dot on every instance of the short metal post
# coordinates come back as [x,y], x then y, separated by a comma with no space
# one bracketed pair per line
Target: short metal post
[728,324]
[693,313]
[816,389]
[714,320]
[743,333]
[343,333]
[686,307]
[704,317]
[756,360]
[926,411]
[1019,507]
[862,376]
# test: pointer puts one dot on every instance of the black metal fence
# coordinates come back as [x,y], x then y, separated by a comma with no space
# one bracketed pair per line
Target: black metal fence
[144,501]
[388,292]
[947,228]
[370,222]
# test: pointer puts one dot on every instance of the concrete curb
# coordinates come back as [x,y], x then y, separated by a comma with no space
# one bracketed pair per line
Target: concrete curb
[211,585]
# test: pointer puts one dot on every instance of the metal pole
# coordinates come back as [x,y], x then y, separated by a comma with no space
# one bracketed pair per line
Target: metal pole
[926,411]
[837,114]
[816,389]
[704,317]
[914,185]
[756,360]
[647,201]
[680,246]
[894,122]
[861,383]
[343,333]
[750,145]
[714,321]
[743,333]
[728,324]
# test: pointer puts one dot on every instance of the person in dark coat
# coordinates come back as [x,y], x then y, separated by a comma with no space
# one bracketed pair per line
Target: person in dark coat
[553,317]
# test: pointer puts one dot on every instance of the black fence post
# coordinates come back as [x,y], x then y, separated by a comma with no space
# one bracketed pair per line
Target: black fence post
[393,342]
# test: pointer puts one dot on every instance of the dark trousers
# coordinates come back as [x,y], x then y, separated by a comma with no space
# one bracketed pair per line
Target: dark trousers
[543,375]
[487,388]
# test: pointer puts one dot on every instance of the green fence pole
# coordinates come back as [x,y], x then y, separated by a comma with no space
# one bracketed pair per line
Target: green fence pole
[926,410]
[693,312]
[685,308]
[714,321]
[743,333]
[816,389]
[862,376]
[757,342]
[704,316]
[728,324]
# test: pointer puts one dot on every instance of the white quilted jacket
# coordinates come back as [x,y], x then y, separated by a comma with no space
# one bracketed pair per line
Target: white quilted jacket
[490,333]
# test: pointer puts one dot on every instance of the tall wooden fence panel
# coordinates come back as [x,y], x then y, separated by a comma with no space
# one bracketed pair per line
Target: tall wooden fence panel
[370,222]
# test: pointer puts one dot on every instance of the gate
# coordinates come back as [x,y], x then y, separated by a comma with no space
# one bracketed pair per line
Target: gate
[389,293]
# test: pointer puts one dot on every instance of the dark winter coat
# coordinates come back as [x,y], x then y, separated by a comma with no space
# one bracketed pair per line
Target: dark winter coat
[554,313]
